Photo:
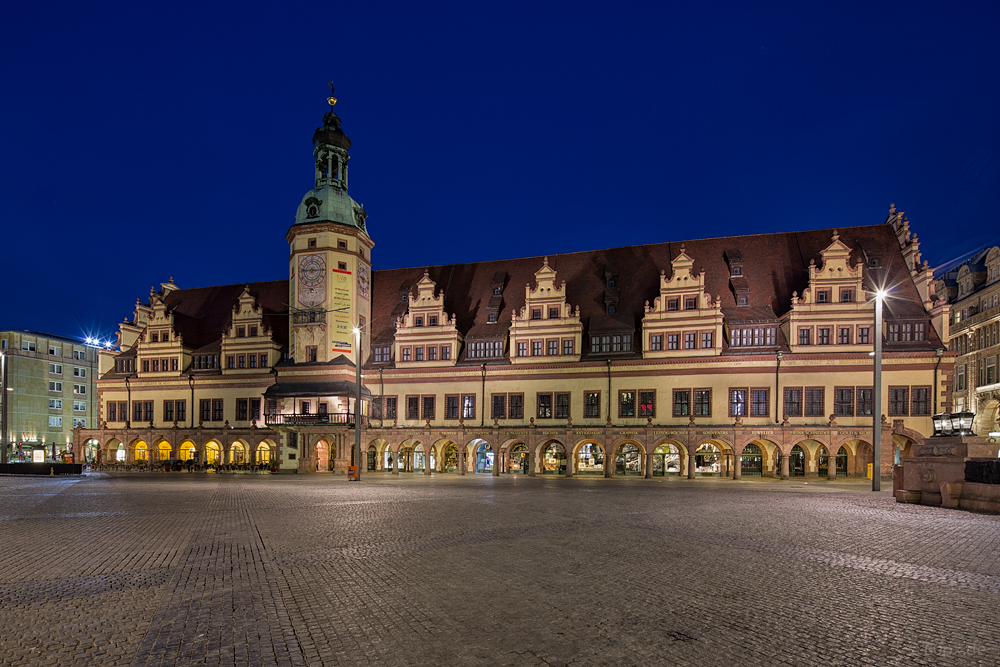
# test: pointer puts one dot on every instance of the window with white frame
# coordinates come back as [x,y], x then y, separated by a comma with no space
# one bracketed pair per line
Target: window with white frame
[55,421]
[28,345]
[55,368]
[55,404]
[79,421]
[55,386]
[79,389]
[79,406]
[55,351]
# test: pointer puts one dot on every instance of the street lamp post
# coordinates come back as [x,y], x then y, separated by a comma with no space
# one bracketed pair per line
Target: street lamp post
[877,397]
[3,398]
[357,407]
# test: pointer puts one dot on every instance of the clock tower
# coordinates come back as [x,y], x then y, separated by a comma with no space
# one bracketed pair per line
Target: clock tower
[329,281]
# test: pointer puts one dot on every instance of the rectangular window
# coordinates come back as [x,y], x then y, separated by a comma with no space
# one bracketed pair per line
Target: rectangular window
[689,339]
[79,389]
[522,349]
[843,401]
[793,401]
[79,421]
[553,313]
[562,406]
[656,342]
[242,409]
[592,404]
[516,406]
[418,354]
[822,296]
[804,336]
[863,335]
[843,336]
[55,421]
[847,296]
[690,303]
[920,401]
[706,340]
[55,351]
[242,361]
[156,365]
[647,403]
[432,353]
[451,407]
[626,403]
[231,360]
[672,341]
[428,408]
[445,352]
[390,407]
[241,332]
[468,406]
[536,348]
[168,411]
[893,333]
[112,412]
[180,410]
[864,404]
[147,411]
[899,398]
[55,368]
[418,322]
[823,336]
[544,405]
[311,353]
[919,331]
[413,407]
[145,365]
[907,333]
[263,360]
[499,410]
[553,347]
[568,346]
[702,402]
[55,404]
[79,406]
[253,360]
[536,313]
[253,332]
[217,414]
[760,402]
[406,354]
[682,402]
[136,411]
[375,408]
[671,304]
[815,402]
[122,411]
[737,402]
[432,320]
[55,386]
[381,354]
[173,364]
[28,345]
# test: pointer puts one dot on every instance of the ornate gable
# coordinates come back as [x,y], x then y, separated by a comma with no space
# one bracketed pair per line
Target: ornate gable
[682,312]
[547,325]
[425,334]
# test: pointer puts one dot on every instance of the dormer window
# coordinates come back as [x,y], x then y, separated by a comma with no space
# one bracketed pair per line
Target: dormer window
[743,301]
[553,313]
[822,296]
[873,262]
[491,318]
[690,303]
[737,270]
[432,320]
[241,332]
[672,304]
[497,291]
[536,313]
[612,309]
[418,322]
[612,283]
[165,337]
[847,296]
[253,333]
[404,297]
[154,338]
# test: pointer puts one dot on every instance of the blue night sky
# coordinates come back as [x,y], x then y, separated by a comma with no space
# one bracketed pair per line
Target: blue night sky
[143,141]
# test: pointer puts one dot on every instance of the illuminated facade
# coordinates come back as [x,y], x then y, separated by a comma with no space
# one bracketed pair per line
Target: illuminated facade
[737,356]
[973,288]
[51,391]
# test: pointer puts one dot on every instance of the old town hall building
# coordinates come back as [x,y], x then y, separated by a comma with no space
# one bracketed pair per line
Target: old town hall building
[747,355]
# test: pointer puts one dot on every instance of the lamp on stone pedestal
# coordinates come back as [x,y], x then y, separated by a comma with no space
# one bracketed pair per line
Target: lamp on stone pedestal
[961,422]
[942,424]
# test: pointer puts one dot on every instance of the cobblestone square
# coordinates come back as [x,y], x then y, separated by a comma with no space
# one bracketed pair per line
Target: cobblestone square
[178,569]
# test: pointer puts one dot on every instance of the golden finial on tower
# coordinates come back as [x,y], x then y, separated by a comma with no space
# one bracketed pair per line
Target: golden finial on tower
[331,100]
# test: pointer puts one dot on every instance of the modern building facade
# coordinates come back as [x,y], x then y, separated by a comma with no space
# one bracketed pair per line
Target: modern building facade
[733,356]
[51,391]
[973,289]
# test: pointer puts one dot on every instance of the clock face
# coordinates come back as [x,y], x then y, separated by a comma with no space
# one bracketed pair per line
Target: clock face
[364,282]
[312,280]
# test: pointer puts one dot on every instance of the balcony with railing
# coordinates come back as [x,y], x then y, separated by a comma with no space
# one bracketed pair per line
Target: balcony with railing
[335,418]
[309,317]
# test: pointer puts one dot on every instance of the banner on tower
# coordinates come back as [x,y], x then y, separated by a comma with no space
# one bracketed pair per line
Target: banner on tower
[342,337]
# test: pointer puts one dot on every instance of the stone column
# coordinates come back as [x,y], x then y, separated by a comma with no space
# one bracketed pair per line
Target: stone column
[691,461]
[569,464]
[496,460]
[531,463]
[427,460]
[784,466]
[461,460]
[395,461]
[649,465]
[831,464]
[737,466]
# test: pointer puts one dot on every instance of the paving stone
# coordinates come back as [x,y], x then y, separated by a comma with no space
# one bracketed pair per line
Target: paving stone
[473,570]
